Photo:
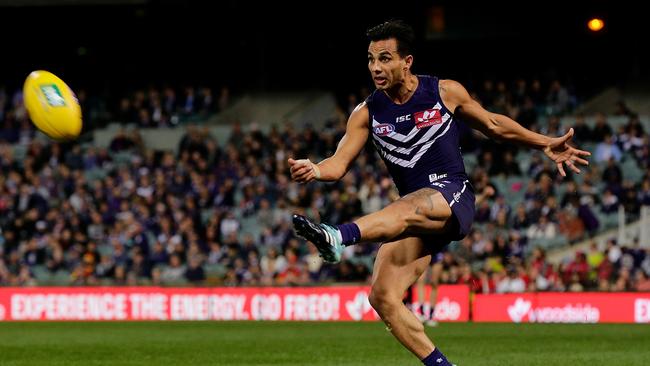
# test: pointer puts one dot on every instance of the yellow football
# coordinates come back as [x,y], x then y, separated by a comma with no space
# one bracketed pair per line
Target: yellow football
[52,106]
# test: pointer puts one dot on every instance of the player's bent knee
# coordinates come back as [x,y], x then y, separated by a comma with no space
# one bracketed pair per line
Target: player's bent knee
[382,301]
[375,298]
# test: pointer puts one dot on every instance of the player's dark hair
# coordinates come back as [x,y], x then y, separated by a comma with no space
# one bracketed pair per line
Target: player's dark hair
[402,32]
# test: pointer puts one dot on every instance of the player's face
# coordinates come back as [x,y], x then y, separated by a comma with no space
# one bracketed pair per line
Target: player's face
[386,66]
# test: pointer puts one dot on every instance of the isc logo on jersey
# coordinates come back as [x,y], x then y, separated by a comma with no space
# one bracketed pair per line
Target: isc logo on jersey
[403,118]
[434,177]
[383,129]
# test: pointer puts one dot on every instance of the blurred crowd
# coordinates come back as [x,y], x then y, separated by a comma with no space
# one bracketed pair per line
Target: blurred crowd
[151,107]
[220,214]
[496,270]
[167,106]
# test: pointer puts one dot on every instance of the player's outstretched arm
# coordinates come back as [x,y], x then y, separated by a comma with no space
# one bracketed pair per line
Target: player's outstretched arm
[335,167]
[500,127]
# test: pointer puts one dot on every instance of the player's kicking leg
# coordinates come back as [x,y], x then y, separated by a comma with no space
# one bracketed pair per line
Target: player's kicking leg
[424,211]
[400,261]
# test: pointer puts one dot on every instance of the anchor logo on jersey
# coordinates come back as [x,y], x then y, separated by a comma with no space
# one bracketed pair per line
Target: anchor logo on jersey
[427,118]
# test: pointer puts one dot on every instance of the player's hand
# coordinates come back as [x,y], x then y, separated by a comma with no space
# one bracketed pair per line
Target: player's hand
[303,170]
[561,152]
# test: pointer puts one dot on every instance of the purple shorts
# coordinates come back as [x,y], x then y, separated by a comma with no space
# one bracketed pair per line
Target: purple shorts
[459,194]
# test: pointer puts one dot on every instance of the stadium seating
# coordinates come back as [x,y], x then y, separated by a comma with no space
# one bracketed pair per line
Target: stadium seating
[260,155]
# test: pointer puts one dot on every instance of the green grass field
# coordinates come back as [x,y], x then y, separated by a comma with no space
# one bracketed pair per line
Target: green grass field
[284,343]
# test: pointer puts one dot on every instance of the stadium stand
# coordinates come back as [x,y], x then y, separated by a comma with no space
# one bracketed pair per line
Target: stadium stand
[215,208]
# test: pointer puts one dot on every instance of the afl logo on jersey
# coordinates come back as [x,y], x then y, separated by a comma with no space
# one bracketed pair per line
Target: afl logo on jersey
[427,118]
[383,129]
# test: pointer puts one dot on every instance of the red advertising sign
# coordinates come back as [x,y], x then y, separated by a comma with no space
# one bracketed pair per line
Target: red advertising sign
[563,308]
[154,303]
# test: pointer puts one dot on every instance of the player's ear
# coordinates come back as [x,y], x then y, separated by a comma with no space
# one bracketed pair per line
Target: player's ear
[408,62]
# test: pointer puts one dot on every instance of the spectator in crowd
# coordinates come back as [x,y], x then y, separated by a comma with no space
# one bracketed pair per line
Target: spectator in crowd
[642,282]
[607,150]
[601,128]
[544,229]
[512,282]
[581,131]
[558,99]
[175,271]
